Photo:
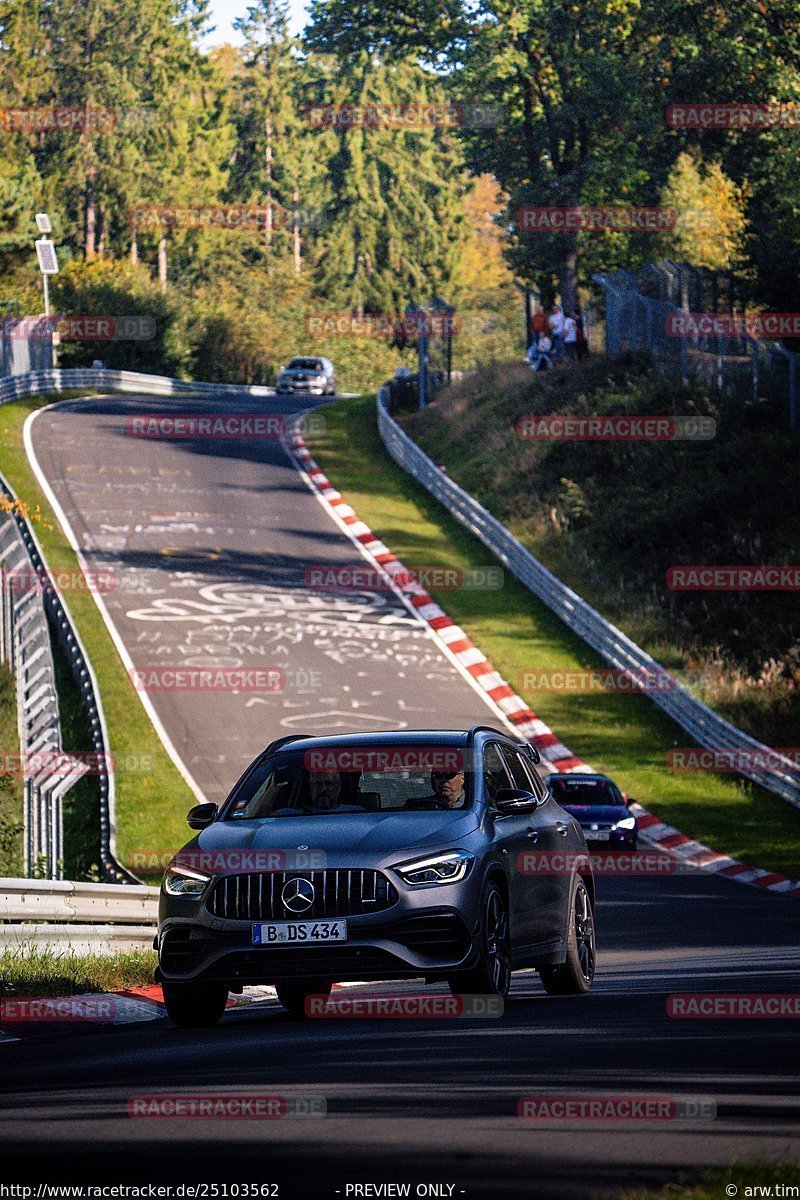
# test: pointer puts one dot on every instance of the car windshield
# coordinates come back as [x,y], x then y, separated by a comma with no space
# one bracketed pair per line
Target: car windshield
[353,779]
[585,791]
[305,364]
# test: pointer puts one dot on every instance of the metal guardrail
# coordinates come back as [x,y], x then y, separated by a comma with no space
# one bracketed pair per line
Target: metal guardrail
[706,727]
[44,792]
[76,918]
[48,772]
[13,387]
[91,903]
[45,789]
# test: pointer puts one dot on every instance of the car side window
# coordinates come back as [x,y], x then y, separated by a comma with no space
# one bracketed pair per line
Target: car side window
[517,769]
[495,775]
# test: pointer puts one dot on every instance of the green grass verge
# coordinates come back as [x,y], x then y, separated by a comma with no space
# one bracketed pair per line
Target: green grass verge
[152,798]
[623,735]
[11,787]
[748,1178]
[47,973]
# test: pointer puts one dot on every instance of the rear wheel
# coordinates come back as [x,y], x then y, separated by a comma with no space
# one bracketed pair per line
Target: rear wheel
[574,976]
[294,993]
[492,975]
[194,1005]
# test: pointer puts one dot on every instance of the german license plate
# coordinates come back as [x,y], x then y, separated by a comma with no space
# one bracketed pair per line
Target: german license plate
[299,933]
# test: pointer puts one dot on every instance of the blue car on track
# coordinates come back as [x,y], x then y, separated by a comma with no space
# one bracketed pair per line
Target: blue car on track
[598,805]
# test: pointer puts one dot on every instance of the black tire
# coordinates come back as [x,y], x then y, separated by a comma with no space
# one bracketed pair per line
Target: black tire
[194,1005]
[575,975]
[492,974]
[293,993]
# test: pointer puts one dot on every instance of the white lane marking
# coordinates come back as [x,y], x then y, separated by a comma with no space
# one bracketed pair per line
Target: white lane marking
[61,517]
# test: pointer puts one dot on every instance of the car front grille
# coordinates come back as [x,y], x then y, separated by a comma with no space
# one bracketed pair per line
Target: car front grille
[337,893]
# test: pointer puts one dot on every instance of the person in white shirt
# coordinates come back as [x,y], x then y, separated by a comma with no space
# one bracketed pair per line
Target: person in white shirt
[571,337]
[556,322]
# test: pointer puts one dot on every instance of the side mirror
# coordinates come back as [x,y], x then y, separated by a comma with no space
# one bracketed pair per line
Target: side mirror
[201,815]
[629,800]
[515,800]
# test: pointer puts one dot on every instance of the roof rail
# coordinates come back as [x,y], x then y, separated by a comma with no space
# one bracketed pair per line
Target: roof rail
[290,737]
[522,742]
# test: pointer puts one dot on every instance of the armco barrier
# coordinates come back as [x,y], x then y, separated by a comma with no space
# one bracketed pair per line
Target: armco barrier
[44,836]
[77,918]
[45,791]
[12,387]
[26,648]
[706,727]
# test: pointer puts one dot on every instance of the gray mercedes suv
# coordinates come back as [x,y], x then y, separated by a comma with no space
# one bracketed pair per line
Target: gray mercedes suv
[377,856]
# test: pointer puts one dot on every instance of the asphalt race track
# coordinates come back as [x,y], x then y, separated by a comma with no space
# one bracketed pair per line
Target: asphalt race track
[210,543]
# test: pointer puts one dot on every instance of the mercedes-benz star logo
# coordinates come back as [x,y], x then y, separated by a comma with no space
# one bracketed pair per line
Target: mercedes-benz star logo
[298,895]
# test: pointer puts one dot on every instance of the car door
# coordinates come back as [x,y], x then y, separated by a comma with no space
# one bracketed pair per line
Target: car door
[546,866]
[511,834]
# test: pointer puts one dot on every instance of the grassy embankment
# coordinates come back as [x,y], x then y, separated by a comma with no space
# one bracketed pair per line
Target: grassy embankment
[622,734]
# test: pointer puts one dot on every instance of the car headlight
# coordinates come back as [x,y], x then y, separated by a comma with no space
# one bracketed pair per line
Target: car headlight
[179,881]
[627,823]
[440,868]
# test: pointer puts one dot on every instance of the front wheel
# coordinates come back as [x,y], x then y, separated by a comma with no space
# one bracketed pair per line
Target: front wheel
[194,1005]
[574,976]
[492,975]
[294,993]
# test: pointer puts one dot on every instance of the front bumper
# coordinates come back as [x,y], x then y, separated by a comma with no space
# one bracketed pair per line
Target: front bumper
[396,944]
[301,388]
[616,838]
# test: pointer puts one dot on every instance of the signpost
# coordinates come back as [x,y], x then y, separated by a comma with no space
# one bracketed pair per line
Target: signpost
[48,263]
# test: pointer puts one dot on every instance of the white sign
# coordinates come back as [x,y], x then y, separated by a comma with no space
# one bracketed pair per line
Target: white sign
[43,223]
[46,253]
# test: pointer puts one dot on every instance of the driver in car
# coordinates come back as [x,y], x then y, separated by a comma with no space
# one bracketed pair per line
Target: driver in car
[448,791]
[325,788]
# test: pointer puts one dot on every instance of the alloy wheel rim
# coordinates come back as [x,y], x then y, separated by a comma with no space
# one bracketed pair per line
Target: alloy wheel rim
[584,933]
[497,942]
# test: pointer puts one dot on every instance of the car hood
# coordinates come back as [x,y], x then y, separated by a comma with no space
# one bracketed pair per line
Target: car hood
[596,812]
[356,832]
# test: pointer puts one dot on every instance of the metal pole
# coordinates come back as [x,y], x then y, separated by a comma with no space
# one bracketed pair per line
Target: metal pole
[46,295]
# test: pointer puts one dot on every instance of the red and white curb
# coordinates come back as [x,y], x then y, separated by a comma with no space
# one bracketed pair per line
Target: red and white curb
[74,1014]
[472,662]
[498,694]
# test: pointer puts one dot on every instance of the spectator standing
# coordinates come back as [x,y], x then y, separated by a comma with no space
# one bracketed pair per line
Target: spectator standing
[539,325]
[571,337]
[582,343]
[557,330]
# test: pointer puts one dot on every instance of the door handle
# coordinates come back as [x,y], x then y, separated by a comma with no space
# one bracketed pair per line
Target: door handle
[562,828]
[533,834]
